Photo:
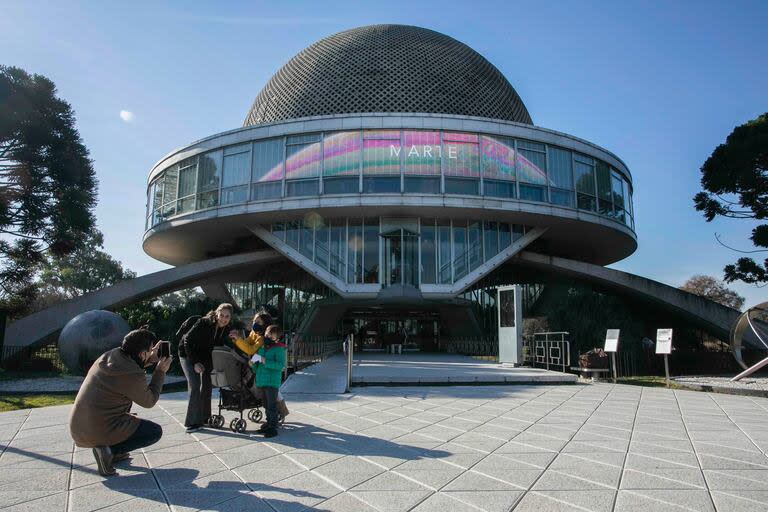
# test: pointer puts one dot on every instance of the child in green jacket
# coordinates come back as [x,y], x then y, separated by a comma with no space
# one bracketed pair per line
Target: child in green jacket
[268,364]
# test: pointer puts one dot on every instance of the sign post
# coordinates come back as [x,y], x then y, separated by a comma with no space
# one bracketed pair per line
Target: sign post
[664,346]
[612,346]
[510,303]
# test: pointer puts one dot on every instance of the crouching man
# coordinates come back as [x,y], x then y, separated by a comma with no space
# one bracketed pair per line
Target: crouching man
[101,417]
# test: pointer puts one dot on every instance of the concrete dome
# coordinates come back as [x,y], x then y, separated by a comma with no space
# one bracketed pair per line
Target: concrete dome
[387,68]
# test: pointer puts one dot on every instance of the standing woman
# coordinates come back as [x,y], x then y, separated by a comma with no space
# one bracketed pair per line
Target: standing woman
[214,329]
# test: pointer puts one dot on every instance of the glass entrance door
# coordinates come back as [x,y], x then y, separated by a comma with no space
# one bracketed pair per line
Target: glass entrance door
[401,256]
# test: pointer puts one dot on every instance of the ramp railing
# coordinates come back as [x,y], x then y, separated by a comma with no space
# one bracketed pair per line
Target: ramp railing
[548,349]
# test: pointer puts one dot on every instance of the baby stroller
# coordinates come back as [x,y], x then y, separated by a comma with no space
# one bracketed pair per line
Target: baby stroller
[237,390]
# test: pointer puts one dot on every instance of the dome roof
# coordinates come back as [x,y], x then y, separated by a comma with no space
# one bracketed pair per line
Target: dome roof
[387,68]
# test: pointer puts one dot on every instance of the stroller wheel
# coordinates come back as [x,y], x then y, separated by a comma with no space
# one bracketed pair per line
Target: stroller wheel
[254,415]
[280,418]
[219,421]
[233,423]
[240,425]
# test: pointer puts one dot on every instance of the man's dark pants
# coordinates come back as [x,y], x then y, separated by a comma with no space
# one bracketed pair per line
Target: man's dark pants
[199,386]
[148,433]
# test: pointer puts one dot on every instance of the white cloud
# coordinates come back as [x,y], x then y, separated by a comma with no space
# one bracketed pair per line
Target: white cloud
[127,116]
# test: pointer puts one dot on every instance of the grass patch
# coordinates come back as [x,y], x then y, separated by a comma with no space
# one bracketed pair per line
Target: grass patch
[14,375]
[14,402]
[649,381]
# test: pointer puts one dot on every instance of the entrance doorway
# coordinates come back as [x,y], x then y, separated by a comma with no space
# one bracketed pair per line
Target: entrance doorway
[401,258]
[375,331]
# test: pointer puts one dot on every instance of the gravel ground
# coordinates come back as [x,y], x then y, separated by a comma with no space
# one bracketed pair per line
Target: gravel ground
[750,383]
[56,384]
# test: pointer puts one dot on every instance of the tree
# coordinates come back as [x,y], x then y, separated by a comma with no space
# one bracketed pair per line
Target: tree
[86,269]
[47,182]
[712,289]
[735,183]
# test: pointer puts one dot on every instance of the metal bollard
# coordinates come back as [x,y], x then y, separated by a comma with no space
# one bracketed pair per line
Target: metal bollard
[350,342]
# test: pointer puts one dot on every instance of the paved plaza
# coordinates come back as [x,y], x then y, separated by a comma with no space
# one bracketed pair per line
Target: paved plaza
[598,447]
[379,369]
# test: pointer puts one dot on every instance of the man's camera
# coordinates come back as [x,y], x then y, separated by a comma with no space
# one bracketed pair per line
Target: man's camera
[164,349]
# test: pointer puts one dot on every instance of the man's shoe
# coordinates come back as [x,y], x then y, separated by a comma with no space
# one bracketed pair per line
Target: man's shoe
[263,428]
[193,428]
[117,457]
[103,456]
[270,432]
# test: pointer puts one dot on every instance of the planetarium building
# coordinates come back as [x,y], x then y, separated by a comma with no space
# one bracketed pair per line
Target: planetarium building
[395,171]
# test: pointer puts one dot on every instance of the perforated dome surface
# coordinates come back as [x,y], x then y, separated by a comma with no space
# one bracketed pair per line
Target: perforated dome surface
[387,68]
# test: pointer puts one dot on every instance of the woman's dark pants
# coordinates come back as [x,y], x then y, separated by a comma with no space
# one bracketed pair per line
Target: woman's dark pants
[199,387]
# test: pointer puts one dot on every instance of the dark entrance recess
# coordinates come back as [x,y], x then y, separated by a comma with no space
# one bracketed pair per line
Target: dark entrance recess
[376,330]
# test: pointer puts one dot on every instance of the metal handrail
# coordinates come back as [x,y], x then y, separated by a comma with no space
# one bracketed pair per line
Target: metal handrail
[542,349]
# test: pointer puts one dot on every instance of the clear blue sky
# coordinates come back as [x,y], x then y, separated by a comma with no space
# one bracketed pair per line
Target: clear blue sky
[658,83]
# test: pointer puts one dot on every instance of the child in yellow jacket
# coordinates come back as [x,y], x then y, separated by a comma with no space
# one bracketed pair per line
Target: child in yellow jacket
[254,342]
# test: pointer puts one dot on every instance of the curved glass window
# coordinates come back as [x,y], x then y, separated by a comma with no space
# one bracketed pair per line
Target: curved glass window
[584,172]
[421,153]
[397,251]
[187,185]
[209,179]
[303,161]
[341,163]
[390,162]
[236,174]
[532,170]
[381,152]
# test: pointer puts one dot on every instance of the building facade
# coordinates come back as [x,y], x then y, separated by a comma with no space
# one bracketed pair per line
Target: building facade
[396,172]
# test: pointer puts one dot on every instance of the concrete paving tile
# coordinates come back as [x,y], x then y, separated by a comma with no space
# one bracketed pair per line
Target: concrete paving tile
[391,501]
[472,481]
[595,446]
[737,479]
[497,460]
[389,482]
[310,459]
[431,478]
[679,460]
[518,478]
[159,459]
[567,501]
[349,471]
[34,444]
[657,446]
[663,501]
[489,501]
[586,459]
[31,460]
[126,478]
[741,501]
[50,503]
[345,502]
[231,501]
[31,479]
[14,497]
[102,498]
[663,478]
[258,474]
[439,502]
[597,477]
[193,468]
[297,492]
[737,460]
[516,447]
